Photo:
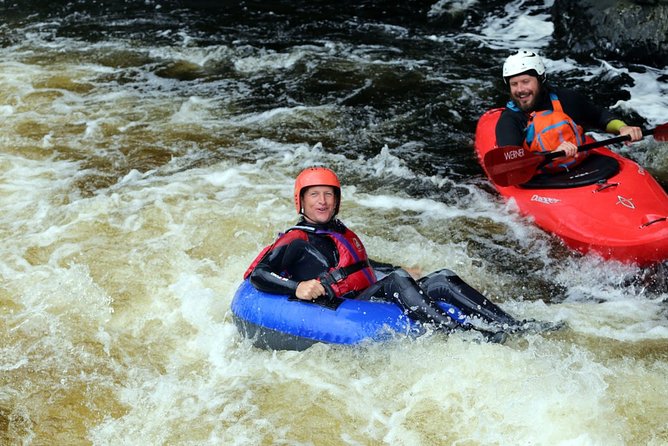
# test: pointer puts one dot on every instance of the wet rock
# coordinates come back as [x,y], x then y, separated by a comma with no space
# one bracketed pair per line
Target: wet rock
[613,29]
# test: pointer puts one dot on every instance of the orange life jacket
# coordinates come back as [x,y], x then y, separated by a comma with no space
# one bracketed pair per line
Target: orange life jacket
[547,129]
[352,274]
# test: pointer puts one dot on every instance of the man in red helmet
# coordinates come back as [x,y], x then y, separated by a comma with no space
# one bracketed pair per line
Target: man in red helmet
[321,258]
[543,118]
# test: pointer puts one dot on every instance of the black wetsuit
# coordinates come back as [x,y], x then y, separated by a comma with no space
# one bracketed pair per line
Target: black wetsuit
[512,124]
[302,260]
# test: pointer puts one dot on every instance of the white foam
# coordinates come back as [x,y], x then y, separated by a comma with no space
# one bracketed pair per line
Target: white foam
[194,110]
[268,60]
[522,26]
[649,95]
[449,6]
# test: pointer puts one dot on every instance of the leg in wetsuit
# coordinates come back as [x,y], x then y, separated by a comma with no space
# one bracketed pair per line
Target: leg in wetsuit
[418,300]
[447,286]
[444,285]
[400,288]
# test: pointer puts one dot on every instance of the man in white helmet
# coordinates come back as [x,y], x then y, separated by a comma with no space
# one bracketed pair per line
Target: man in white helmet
[544,118]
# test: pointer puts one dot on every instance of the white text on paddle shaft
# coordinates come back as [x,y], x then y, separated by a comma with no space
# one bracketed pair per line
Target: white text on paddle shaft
[513,154]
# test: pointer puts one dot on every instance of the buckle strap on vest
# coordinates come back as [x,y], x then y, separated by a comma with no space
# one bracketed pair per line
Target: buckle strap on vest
[337,275]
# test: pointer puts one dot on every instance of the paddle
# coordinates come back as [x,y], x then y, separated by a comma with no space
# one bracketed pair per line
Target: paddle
[511,165]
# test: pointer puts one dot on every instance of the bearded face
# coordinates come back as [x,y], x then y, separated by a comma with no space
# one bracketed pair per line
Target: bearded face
[524,91]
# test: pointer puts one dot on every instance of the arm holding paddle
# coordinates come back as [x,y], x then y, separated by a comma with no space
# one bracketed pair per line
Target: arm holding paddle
[634,133]
[512,165]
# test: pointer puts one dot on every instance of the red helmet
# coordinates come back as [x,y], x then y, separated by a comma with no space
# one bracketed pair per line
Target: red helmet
[316,176]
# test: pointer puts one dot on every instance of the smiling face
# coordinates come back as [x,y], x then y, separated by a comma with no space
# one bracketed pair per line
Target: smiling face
[319,204]
[524,90]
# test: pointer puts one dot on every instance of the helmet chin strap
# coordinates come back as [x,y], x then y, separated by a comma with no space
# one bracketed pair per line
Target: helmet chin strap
[303,214]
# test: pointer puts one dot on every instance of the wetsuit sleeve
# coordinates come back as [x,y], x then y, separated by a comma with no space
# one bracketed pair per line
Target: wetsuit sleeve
[267,274]
[614,126]
[510,129]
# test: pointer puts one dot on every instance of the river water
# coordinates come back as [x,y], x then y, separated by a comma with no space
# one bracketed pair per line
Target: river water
[147,153]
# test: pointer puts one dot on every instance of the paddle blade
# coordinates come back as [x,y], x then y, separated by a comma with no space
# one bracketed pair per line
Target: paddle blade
[661,132]
[511,165]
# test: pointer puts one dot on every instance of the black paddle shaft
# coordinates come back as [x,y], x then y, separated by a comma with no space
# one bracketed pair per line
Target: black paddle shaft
[593,145]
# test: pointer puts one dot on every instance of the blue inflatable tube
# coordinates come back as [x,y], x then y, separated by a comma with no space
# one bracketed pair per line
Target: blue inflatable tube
[272,321]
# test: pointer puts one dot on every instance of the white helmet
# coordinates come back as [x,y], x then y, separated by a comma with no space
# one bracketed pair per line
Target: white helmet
[522,62]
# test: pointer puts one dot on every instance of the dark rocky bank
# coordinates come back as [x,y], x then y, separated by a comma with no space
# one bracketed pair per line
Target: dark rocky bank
[632,31]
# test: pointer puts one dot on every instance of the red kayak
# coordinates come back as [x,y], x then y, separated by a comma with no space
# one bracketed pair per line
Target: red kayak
[608,204]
